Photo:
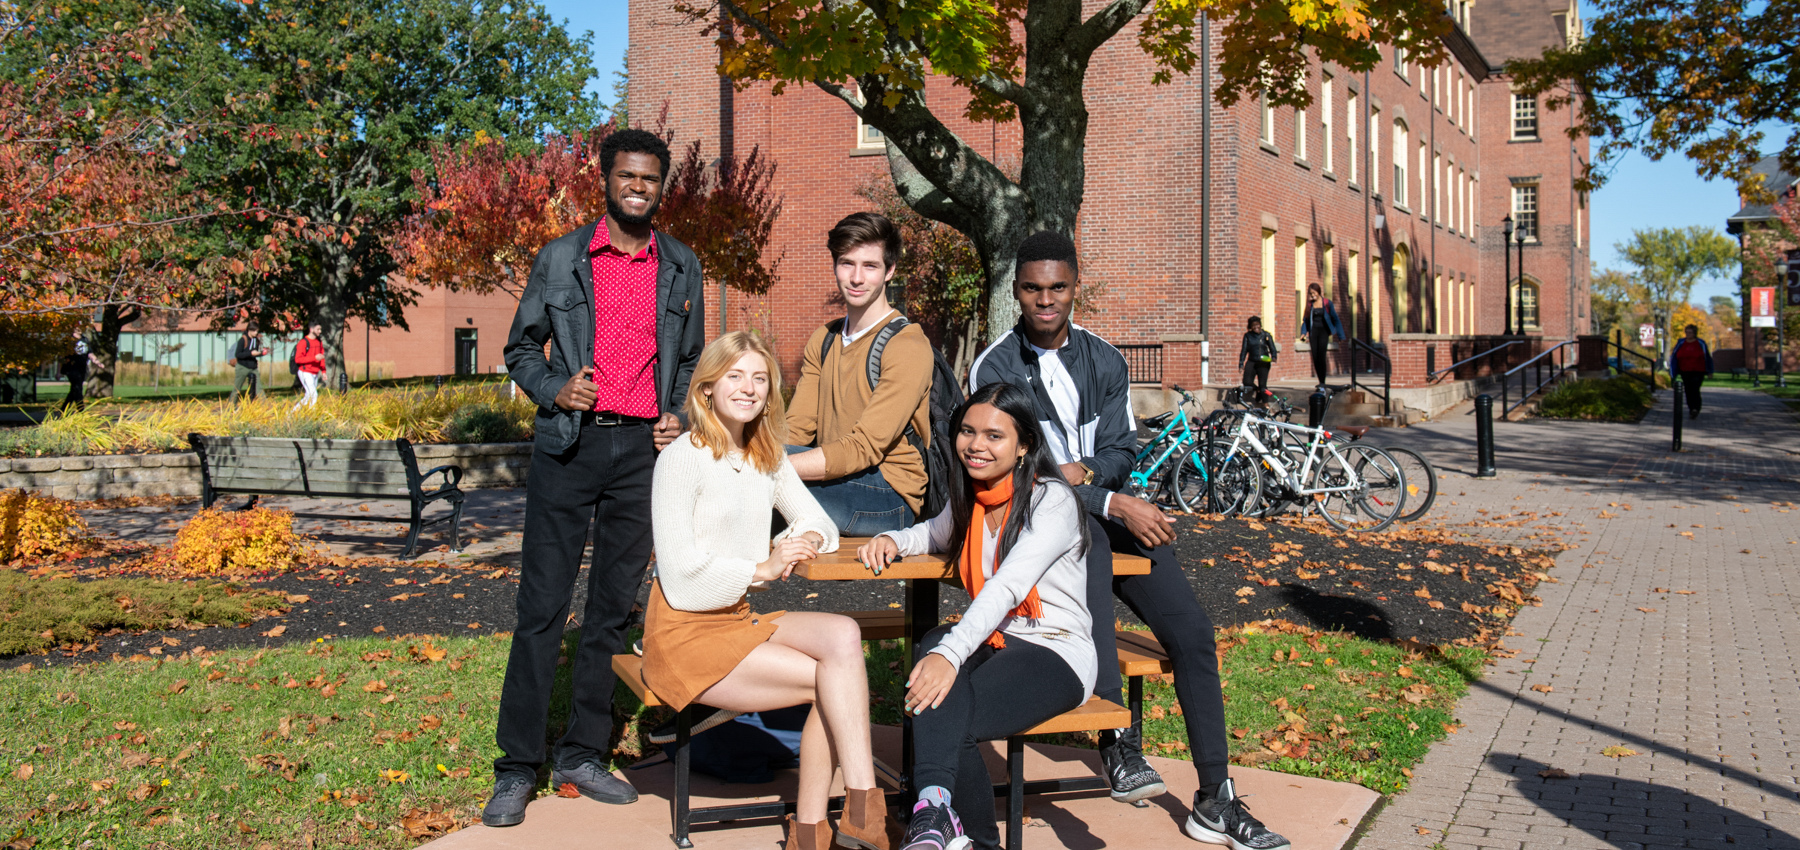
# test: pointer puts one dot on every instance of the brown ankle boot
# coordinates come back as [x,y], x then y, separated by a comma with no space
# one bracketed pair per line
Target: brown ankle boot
[865,824]
[808,836]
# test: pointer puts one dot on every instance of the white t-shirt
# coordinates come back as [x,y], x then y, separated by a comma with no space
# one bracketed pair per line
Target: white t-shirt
[1060,386]
[850,338]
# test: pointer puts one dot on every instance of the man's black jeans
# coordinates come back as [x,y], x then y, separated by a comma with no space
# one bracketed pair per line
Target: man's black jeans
[1166,603]
[604,479]
[1690,386]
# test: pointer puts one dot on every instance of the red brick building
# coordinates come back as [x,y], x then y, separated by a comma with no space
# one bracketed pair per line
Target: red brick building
[1390,188]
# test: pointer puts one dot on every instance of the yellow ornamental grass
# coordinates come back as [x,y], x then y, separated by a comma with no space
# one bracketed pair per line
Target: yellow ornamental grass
[33,528]
[258,540]
[422,415]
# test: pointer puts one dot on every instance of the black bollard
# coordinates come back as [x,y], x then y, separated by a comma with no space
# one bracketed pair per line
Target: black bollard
[343,382]
[1315,408]
[437,383]
[1675,390]
[1484,436]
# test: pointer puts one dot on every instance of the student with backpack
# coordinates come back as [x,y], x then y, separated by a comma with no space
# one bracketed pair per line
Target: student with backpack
[308,363]
[861,417]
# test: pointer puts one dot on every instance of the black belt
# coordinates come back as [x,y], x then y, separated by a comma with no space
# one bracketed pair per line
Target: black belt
[608,417]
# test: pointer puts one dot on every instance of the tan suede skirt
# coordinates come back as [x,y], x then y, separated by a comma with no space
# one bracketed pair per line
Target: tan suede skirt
[686,652]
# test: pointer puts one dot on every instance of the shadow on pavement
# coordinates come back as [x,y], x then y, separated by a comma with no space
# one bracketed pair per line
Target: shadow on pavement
[1601,805]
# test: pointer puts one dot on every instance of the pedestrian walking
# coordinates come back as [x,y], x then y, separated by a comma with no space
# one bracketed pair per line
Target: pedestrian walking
[1320,316]
[75,369]
[249,347]
[605,340]
[1692,360]
[309,360]
[1256,356]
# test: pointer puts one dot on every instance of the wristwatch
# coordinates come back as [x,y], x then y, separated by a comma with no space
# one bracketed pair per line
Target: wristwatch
[1089,477]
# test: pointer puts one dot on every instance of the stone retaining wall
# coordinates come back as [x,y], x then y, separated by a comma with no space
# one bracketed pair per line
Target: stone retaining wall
[178,473]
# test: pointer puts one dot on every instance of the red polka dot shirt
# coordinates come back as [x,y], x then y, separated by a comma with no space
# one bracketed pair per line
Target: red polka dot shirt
[624,327]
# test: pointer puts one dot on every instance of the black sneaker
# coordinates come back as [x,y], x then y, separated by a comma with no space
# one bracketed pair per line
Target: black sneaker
[595,783]
[1131,777]
[1225,819]
[934,827]
[512,791]
[709,717]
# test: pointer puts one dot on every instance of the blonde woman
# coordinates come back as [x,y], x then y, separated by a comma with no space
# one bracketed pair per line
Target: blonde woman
[710,503]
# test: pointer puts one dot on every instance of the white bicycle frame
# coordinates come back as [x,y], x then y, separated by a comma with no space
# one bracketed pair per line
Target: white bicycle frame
[1292,477]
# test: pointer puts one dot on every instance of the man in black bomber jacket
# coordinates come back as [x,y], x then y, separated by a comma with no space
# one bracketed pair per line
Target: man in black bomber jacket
[1083,391]
[604,411]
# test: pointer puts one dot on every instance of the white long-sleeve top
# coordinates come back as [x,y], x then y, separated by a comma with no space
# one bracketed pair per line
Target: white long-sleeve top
[1048,555]
[711,522]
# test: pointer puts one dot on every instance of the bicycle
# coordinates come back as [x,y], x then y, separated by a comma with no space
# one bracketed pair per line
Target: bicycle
[1149,480]
[1353,489]
[1421,478]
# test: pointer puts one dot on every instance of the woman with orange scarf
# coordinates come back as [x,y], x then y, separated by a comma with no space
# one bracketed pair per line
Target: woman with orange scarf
[1023,652]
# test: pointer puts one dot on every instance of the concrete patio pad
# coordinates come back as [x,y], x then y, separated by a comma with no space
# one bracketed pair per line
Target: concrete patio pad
[1315,814]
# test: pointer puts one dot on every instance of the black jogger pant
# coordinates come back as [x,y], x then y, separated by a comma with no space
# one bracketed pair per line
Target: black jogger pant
[1321,359]
[604,480]
[1256,374]
[1690,385]
[997,693]
[1167,604]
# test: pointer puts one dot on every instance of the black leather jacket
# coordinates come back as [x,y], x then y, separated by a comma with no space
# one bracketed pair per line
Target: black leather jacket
[557,307]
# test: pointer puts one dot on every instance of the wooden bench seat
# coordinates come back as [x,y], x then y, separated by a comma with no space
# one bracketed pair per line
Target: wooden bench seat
[843,566]
[331,469]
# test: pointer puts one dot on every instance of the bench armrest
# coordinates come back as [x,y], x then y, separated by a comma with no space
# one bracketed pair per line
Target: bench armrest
[453,475]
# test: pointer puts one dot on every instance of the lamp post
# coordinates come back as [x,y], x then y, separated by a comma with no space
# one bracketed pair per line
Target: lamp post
[1781,273]
[1520,311]
[1506,228]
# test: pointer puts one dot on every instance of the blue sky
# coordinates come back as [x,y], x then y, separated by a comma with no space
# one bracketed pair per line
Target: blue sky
[1641,193]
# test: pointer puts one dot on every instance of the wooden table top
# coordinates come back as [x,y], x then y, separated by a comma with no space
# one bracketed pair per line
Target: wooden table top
[843,566]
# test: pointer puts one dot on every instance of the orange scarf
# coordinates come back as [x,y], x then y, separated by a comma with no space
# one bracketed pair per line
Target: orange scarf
[969,569]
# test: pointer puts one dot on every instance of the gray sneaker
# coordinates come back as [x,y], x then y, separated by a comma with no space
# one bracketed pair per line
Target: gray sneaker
[512,791]
[595,783]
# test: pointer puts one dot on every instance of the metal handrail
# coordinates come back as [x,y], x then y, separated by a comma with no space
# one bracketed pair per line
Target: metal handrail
[1615,345]
[1432,376]
[1558,368]
[1387,374]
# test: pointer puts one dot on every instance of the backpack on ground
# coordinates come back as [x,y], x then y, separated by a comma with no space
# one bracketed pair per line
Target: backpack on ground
[946,395]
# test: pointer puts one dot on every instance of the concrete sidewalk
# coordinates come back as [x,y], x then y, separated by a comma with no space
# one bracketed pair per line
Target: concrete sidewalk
[1669,632]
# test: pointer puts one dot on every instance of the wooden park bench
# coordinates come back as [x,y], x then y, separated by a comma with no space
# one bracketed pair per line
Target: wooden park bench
[332,469]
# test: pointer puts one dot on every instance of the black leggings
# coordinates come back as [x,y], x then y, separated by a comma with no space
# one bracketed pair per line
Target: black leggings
[1256,374]
[997,693]
[1166,603]
[1321,359]
[1690,385]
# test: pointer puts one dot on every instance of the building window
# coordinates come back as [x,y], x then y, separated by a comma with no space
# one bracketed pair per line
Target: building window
[1402,289]
[1402,151]
[1325,110]
[1375,297]
[1524,297]
[1268,121]
[1423,164]
[1300,134]
[1437,188]
[868,137]
[1352,271]
[1355,155]
[1299,283]
[1374,151]
[1524,116]
[1400,63]
[1525,211]
[1268,279]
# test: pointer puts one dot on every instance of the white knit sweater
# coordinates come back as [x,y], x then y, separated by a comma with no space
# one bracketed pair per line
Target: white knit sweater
[711,520]
[1048,555]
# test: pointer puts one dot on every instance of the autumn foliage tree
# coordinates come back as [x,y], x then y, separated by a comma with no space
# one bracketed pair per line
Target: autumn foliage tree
[1027,60]
[484,215]
[96,219]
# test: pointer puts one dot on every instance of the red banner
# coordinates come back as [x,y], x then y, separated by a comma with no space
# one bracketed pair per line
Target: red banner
[1762,306]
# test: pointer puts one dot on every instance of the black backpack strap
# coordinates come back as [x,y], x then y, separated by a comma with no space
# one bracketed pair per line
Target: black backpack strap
[833,330]
[875,350]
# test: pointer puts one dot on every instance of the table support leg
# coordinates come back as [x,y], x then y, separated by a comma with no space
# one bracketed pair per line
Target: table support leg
[921,617]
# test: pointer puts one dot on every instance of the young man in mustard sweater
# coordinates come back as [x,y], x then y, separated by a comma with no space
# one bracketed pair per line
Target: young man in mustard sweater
[857,442]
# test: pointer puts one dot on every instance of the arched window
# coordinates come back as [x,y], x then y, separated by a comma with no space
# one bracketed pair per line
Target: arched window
[1402,153]
[1402,299]
[1525,302]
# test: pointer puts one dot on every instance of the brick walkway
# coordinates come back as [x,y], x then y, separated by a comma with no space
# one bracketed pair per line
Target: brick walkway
[1669,632]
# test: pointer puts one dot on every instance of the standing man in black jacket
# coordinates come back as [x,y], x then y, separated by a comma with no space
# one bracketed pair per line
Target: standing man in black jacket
[1083,391]
[619,305]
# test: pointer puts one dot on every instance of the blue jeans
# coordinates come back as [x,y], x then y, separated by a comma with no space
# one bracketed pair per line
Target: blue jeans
[861,504]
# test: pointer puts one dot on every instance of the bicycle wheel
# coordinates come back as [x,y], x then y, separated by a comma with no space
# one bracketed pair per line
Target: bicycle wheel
[1373,487]
[1235,486]
[1421,482]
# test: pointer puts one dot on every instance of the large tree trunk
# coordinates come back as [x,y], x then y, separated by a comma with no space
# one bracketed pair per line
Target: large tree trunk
[329,307]
[102,382]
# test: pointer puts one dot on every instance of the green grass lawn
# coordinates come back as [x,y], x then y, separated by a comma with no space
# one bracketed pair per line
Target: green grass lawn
[1792,390]
[382,742]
